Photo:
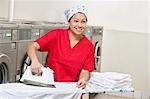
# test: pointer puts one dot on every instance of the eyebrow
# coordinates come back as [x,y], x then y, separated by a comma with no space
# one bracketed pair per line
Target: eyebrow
[78,19]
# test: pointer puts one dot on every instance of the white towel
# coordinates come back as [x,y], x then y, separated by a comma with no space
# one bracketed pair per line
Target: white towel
[109,84]
[111,75]
[109,81]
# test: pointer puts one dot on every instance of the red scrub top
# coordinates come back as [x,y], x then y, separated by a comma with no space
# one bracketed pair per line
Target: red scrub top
[66,62]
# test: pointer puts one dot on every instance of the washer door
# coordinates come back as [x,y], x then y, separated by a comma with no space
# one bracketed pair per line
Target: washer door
[25,63]
[4,73]
[42,56]
[97,56]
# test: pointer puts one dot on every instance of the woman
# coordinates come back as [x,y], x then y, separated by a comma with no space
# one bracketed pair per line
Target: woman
[70,53]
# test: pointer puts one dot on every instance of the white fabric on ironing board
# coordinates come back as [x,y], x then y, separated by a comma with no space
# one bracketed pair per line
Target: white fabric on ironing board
[109,81]
[22,91]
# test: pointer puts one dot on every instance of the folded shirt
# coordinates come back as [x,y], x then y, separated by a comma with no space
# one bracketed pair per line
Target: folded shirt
[111,75]
[109,83]
[109,80]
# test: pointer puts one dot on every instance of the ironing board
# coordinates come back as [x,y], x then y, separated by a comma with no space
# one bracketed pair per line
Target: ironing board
[22,91]
[95,91]
[62,91]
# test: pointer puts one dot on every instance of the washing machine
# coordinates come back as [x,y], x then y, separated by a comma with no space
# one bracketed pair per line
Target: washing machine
[97,39]
[37,30]
[26,34]
[4,69]
[95,34]
[8,54]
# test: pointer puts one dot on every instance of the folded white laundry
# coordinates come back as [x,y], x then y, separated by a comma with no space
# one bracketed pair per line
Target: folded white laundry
[106,84]
[111,75]
[102,77]
[109,81]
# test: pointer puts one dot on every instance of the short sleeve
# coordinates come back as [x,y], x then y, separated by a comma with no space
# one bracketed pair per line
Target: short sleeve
[47,39]
[89,62]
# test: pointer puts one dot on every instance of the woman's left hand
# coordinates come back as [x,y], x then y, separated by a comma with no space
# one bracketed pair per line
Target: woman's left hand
[81,83]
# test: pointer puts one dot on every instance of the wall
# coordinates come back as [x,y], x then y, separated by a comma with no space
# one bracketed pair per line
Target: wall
[4,8]
[126,15]
[38,10]
[149,62]
[46,10]
[120,15]
[149,47]
[126,52]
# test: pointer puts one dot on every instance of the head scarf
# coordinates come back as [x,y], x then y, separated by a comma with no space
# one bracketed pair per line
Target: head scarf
[70,12]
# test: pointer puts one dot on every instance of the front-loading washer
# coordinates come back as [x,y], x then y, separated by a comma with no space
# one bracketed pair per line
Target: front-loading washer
[7,73]
[8,53]
[95,34]
[8,62]
[4,68]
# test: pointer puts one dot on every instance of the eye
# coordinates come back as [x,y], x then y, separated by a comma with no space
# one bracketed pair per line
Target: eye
[84,21]
[76,21]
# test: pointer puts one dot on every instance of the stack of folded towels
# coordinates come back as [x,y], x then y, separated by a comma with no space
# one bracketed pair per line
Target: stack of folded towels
[109,80]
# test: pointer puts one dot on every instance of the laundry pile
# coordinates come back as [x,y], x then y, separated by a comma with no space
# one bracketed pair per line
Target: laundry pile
[109,81]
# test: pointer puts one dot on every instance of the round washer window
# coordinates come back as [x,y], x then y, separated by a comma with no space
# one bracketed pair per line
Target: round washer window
[3,73]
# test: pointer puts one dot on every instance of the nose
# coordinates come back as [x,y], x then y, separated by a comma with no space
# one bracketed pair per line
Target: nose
[80,24]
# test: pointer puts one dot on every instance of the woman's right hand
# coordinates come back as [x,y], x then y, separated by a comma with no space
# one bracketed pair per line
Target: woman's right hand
[35,65]
[36,68]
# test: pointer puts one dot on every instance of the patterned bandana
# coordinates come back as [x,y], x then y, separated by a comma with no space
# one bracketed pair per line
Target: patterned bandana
[70,12]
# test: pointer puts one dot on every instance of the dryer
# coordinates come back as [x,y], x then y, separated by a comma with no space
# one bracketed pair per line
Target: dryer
[95,34]
[26,34]
[4,63]
[37,30]
[5,69]
[8,54]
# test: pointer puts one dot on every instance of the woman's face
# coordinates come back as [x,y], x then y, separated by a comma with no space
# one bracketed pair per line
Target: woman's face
[78,23]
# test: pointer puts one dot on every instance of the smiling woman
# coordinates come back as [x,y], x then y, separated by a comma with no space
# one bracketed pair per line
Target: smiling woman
[70,53]
[78,23]
[77,28]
